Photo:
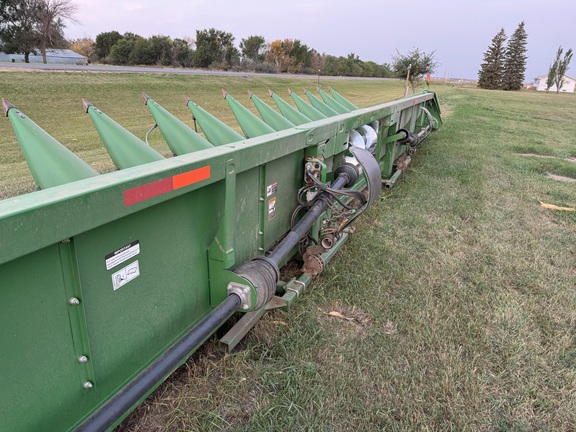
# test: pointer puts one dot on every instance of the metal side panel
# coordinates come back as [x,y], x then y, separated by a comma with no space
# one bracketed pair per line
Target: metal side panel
[40,381]
[283,179]
[141,282]
[152,290]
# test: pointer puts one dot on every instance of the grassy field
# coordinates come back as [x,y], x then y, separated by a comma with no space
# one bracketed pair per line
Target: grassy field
[53,101]
[458,286]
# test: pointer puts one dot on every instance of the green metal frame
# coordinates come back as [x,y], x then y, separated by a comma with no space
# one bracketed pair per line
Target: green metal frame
[71,338]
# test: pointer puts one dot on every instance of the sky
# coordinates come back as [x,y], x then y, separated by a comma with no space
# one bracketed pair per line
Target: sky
[458,32]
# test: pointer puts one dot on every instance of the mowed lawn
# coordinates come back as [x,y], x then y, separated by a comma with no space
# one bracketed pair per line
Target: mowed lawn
[458,289]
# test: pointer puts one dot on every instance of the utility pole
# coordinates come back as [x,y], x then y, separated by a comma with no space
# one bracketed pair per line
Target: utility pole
[407,80]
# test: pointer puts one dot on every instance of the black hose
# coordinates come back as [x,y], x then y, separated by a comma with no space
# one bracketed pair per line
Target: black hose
[122,401]
[301,229]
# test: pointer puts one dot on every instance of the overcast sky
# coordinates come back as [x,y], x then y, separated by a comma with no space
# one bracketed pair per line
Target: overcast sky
[458,31]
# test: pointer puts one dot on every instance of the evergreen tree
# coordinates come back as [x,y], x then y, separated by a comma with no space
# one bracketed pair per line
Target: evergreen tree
[491,71]
[515,60]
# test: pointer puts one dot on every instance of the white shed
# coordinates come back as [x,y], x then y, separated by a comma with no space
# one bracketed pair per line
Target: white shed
[568,87]
[52,56]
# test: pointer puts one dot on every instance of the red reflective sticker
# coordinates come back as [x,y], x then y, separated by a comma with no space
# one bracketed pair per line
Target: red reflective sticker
[168,184]
[190,177]
[147,191]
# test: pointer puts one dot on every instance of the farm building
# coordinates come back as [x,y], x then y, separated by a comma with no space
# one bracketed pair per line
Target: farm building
[52,56]
[568,87]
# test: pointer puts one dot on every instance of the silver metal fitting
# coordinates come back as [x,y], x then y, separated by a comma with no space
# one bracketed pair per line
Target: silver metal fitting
[87,385]
[82,359]
[242,291]
[73,301]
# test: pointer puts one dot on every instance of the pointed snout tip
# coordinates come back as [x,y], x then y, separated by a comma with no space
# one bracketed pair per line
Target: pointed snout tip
[7,106]
[86,105]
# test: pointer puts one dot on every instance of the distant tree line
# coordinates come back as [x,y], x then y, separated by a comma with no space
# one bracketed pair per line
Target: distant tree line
[215,49]
[29,26]
[504,64]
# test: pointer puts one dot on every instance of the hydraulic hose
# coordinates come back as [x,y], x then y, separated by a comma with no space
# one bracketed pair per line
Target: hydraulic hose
[301,229]
[139,387]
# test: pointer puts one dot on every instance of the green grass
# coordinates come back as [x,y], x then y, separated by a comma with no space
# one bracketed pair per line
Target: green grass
[461,289]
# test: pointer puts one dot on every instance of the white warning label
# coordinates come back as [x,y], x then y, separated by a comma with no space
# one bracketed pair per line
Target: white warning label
[272,189]
[122,255]
[128,273]
[271,209]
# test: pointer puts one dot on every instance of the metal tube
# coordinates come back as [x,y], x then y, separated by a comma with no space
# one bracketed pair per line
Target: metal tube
[424,132]
[143,383]
[304,225]
[390,182]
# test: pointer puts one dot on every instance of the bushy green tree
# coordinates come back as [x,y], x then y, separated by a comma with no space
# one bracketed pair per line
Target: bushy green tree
[213,46]
[104,43]
[142,52]
[181,53]
[515,60]
[161,47]
[301,55]
[491,71]
[253,48]
[231,57]
[417,62]
[353,66]
[121,51]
